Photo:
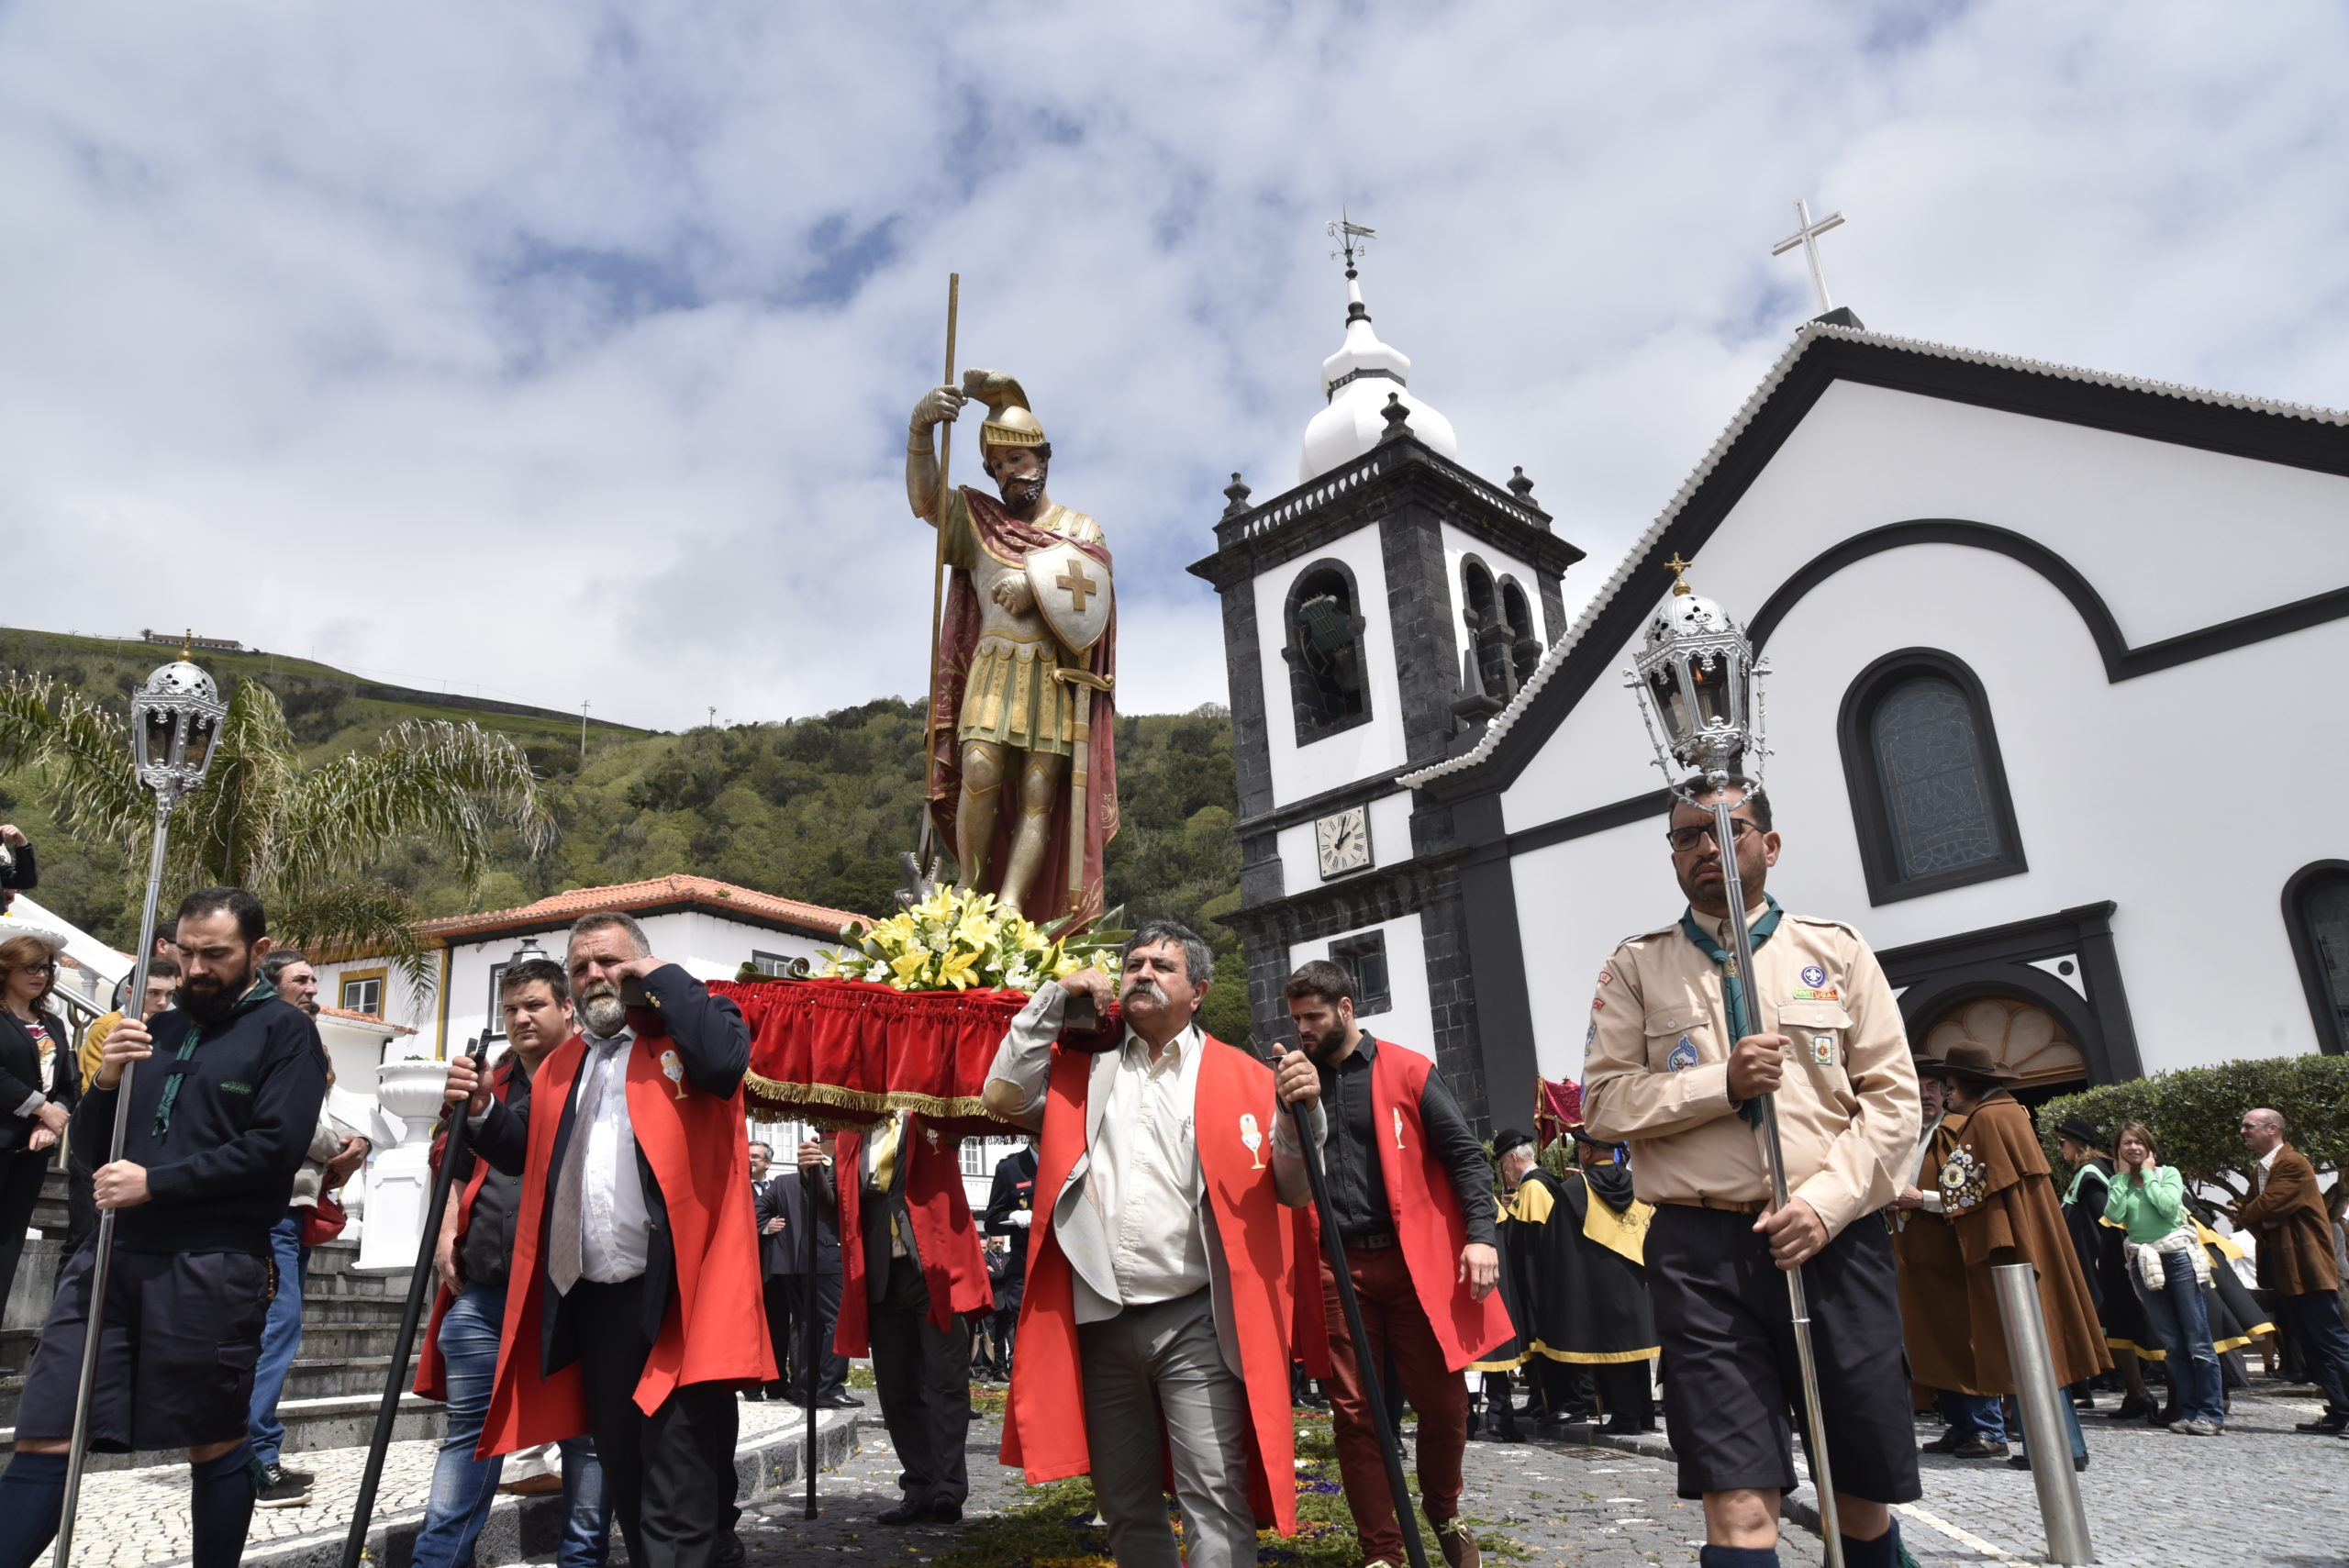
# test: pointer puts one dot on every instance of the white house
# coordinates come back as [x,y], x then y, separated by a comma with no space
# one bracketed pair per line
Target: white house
[2049,650]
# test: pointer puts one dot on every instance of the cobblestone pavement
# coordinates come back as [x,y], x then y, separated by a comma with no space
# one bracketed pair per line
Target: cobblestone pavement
[2260,1496]
[134,1516]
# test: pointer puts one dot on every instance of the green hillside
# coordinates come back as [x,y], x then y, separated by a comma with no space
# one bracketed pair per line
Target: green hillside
[815,808]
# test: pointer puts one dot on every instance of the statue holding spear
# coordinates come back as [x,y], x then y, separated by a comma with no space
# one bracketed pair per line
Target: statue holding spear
[1021,767]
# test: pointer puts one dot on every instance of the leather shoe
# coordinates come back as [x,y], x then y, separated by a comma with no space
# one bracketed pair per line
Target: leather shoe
[1948,1443]
[2023,1460]
[1977,1447]
[1459,1545]
[2135,1407]
[841,1401]
[944,1512]
[908,1512]
[2328,1425]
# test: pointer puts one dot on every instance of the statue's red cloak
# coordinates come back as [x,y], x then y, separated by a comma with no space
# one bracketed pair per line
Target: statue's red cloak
[946,1239]
[1429,1227]
[715,1331]
[1008,539]
[1044,1426]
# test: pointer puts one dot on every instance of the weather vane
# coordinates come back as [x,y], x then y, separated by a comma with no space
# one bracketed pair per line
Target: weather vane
[1353,240]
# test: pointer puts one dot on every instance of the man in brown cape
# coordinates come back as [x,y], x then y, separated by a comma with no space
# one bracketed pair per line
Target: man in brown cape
[2001,1202]
[2286,1211]
[1936,1321]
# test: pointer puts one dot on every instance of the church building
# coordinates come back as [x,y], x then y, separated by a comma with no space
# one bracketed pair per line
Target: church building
[2048,650]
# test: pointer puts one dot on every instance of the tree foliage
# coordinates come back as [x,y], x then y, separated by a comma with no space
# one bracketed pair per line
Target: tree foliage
[304,836]
[2194,1114]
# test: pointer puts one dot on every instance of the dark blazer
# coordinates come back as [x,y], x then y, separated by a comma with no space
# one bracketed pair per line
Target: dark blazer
[2294,1231]
[772,1264]
[1015,1189]
[25,875]
[784,1197]
[715,1047]
[20,1074]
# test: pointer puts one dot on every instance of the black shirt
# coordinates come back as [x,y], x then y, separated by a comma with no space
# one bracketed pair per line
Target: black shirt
[1358,1200]
[222,1173]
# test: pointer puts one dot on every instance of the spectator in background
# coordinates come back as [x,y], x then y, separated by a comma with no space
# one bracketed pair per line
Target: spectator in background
[2286,1210]
[818,1296]
[1936,1312]
[2104,1260]
[776,1243]
[335,1151]
[1012,1205]
[22,873]
[38,1088]
[2165,1254]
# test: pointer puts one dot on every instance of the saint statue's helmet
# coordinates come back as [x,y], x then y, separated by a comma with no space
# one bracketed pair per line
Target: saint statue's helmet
[1009,422]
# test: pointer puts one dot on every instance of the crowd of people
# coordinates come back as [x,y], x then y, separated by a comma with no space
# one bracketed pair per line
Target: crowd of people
[1151,1272]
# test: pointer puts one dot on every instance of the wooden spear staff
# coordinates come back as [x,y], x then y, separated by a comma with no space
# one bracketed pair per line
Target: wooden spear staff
[938,590]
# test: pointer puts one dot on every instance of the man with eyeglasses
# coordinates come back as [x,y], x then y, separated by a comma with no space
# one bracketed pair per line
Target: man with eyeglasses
[1678,1054]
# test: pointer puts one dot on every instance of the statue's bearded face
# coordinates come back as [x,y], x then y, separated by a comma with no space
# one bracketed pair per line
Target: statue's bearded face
[1019,473]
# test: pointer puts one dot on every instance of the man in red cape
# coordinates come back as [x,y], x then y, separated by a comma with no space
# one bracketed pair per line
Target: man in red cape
[1158,1296]
[912,1277]
[634,1310]
[1027,660]
[1412,1197]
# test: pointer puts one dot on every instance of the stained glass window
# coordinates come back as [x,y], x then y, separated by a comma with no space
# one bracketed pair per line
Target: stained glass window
[1930,767]
[2324,918]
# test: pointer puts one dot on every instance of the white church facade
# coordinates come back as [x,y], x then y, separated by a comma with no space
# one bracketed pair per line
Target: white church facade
[2049,655]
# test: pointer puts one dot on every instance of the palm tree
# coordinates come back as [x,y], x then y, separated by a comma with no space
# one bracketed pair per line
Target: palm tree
[300,837]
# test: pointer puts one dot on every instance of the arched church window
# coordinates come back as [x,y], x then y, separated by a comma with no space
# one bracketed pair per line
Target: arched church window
[1524,643]
[1329,685]
[1928,793]
[1488,634]
[2316,914]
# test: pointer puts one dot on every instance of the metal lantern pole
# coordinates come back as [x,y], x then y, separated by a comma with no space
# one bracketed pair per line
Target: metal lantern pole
[1333,1250]
[1695,676]
[421,1282]
[180,708]
[810,1297]
[1798,1300]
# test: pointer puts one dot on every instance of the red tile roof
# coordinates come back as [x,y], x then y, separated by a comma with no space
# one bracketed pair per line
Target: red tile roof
[364,1018]
[661,894]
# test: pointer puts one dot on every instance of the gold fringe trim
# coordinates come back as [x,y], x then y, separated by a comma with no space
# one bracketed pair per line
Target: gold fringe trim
[1497,1366]
[1599,1358]
[872,1106]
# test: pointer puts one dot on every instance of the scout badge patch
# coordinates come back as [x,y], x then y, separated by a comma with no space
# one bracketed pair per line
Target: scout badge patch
[1823,1050]
[1682,1057]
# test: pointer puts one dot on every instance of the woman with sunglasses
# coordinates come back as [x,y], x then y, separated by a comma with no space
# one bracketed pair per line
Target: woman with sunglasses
[39,1085]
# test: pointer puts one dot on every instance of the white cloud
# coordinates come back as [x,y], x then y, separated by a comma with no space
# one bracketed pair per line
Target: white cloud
[566,351]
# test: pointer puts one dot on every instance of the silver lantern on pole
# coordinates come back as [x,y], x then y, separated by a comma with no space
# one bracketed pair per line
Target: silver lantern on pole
[174,723]
[1699,693]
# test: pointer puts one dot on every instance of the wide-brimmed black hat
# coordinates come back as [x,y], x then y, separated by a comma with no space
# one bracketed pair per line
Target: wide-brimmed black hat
[1509,1138]
[1971,1060]
[2078,1130]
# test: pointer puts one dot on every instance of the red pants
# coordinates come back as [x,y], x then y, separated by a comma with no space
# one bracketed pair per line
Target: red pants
[1400,1338]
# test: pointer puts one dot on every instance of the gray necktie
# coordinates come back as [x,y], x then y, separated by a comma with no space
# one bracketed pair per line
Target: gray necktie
[564,1231]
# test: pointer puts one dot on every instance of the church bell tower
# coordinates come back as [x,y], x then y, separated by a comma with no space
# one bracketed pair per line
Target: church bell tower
[1376,616]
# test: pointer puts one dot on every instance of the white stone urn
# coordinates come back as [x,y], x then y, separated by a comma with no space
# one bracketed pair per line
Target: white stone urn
[400,1178]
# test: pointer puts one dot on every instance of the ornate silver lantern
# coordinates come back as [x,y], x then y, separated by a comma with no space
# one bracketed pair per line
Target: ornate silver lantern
[175,720]
[1699,688]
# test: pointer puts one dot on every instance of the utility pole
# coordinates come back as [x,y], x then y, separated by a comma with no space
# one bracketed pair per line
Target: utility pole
[583,731]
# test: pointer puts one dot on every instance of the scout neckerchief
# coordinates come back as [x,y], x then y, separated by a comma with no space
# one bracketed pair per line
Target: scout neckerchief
[1741,1017]
[262,991]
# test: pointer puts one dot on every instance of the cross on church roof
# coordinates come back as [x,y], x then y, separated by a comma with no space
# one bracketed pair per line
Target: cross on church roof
[1808,238]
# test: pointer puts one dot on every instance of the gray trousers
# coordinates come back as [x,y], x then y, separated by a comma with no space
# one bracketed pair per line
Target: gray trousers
[1159,1369]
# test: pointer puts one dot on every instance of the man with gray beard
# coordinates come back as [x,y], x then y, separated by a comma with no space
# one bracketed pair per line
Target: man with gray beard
[636,1254]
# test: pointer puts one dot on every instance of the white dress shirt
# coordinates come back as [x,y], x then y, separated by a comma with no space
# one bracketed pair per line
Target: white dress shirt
[1144,1176]
[614,1228]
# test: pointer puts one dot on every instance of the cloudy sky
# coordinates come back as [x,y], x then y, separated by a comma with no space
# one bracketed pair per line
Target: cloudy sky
[563,350]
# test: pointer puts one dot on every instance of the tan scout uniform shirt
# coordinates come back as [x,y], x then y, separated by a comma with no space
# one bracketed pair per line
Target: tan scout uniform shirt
[1656,1074]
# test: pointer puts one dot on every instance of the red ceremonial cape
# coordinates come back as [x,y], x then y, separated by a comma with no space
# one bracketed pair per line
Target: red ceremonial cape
[431,1373]
[715,1331]
[953,1265]
[1044,1426]
[1008,540]
[1429,1227]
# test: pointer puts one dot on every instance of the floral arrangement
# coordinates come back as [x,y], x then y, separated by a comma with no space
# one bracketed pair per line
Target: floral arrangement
[956,939]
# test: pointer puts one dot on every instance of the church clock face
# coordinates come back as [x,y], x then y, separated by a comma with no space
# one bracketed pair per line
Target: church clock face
[1342,838]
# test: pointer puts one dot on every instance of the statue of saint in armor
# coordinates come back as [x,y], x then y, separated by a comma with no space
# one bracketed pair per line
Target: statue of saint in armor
[1020,698]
